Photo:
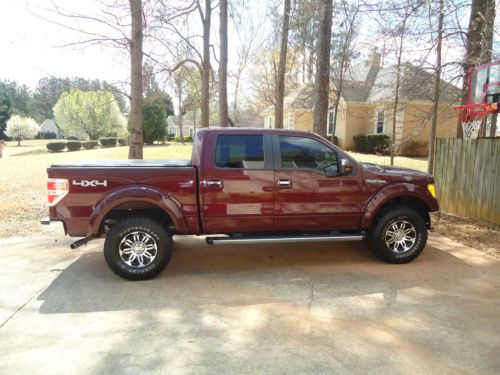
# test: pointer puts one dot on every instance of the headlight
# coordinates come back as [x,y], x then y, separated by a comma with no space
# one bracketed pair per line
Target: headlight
[432,190]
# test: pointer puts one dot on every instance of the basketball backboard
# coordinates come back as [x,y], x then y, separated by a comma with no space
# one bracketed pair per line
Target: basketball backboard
[484,84]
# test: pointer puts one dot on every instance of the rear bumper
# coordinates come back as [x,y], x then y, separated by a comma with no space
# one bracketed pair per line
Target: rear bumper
[52,227]
[435,217]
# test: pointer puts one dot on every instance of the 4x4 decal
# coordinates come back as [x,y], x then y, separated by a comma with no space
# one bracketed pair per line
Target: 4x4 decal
[90,183]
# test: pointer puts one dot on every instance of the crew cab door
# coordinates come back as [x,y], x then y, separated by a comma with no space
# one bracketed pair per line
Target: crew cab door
[313,192]
[237,183]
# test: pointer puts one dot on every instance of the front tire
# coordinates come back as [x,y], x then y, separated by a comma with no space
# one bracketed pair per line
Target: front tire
[138,248]
[399,235]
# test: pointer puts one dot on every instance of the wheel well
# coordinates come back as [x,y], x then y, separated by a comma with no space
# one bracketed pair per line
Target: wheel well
[132,208]
[406,201]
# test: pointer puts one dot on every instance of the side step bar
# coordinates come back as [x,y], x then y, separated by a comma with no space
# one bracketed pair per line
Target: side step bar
[279,239]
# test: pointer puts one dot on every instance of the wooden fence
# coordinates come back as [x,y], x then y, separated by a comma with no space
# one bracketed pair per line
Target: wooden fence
[467,174]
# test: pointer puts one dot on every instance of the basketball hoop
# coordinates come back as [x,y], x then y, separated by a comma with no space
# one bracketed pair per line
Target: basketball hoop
[472,116]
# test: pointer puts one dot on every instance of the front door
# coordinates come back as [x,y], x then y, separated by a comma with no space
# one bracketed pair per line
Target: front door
[311,192]
[237,184]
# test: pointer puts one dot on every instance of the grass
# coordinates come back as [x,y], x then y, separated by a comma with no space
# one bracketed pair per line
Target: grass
[23,177]
[23,181]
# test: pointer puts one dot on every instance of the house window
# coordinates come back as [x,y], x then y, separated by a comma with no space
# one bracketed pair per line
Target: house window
[380,121]
[270,122]
[291,121]
[331,119]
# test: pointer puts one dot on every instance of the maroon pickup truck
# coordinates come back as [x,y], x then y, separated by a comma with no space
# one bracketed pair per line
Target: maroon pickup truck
[241,186]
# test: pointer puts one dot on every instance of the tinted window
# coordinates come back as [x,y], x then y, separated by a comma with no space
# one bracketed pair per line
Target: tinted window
[307,153]
[240,151]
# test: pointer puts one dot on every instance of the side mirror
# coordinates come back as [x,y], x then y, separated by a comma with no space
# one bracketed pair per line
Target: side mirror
[345,166]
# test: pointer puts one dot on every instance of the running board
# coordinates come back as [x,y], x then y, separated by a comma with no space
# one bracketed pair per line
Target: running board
[281,239]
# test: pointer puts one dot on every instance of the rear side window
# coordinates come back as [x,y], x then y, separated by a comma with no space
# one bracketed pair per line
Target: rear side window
[240,151]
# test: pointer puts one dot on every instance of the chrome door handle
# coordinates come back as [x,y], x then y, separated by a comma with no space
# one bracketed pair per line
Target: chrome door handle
[284,183]
[212,183]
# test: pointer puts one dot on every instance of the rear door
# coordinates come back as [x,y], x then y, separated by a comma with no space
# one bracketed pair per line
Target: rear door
[311,192]
[237,183]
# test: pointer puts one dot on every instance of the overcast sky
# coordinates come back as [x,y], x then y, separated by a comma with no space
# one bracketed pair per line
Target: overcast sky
[30,48]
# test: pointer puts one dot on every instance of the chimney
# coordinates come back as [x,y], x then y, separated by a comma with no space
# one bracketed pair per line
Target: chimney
[374,58]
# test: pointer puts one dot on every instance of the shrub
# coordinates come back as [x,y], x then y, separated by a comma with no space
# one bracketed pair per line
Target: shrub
[170,139]
[108,142]
[89,145]
[188,138]
[123,141]
[360,142]
[177,138]
[72,138]
[372,143]
[414,148]
[74,145]
[48,135]
[56,146]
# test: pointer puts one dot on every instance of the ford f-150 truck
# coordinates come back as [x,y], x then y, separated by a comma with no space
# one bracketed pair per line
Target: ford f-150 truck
[241,186]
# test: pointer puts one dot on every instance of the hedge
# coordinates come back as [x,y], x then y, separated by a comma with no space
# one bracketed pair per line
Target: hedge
[123,141]
[108,142]
[89,145]
[72,138]
[74,145]
[188,138]
[177,138]
[371,143]
[56,146]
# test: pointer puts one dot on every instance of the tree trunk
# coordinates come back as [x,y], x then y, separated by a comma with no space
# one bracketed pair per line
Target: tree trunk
[223,113]
[437,84]
[18,139]
[205,74]
[398,84]
[322,84]
[179,102]
[280,83]
[479,42]
[136,117]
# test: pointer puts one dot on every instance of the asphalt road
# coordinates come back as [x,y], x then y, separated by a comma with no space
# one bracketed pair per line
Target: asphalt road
[294,308]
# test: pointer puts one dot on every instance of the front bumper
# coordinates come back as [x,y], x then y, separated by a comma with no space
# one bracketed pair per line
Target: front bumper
[52,228]
[435,217]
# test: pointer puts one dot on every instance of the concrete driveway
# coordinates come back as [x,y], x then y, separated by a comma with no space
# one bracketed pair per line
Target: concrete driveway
[295,308]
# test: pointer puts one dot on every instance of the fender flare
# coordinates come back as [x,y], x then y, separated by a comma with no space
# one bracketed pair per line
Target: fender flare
[382,196]
[136,193]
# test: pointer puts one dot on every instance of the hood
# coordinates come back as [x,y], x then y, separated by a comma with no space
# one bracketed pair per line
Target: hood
[397,173]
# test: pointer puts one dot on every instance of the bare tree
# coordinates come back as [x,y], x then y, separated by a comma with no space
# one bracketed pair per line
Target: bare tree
[280,82]
[344,54]
[136,117]
[206,69]
[437,87]
[322,84]
[223,113]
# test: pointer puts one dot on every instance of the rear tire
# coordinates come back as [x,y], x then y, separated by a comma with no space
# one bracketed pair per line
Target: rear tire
[399,235]
[138,248]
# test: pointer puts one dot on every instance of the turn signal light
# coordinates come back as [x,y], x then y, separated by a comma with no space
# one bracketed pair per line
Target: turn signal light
[432,190]
[57,189]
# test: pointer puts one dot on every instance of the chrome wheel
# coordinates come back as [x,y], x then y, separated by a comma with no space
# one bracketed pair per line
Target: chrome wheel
[138,249]
[400,236]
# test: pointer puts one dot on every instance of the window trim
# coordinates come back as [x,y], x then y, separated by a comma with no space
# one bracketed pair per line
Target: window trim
[267,148]
[383,121]
[331,110]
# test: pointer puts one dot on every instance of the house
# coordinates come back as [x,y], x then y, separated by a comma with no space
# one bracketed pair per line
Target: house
[366,106]
[50,129]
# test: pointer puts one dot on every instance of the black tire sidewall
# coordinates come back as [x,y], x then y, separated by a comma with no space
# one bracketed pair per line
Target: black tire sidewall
[112,243]
[387,219]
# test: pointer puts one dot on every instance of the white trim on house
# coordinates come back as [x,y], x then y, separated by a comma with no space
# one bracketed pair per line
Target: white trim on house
[379,110]
[329,122]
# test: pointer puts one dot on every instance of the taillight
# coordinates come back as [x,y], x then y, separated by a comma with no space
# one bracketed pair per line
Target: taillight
[57,188]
